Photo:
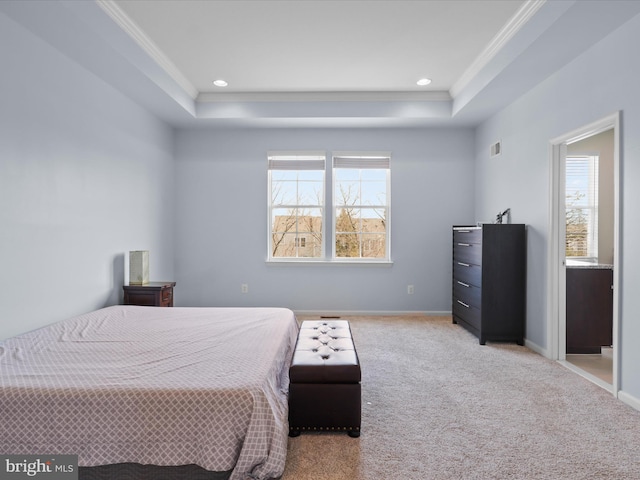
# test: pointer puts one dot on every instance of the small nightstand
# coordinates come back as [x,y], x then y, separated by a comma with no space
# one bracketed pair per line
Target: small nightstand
[152,294]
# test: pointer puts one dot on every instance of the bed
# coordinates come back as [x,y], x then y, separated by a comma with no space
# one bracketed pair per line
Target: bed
[157,386]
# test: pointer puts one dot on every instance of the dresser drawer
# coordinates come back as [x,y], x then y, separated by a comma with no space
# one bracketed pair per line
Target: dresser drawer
[466,312]
[152,294]
[467,273]
[467,293]
[470,235]
[467,252]
[144,299]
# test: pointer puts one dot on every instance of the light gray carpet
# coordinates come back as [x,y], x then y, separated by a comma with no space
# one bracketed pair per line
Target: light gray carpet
[436,405]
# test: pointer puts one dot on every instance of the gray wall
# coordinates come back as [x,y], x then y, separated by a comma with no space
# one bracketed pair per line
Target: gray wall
[85,176]
[594,85]
[221,229]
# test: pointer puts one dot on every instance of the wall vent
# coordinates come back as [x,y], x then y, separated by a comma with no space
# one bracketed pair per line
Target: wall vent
[496,149]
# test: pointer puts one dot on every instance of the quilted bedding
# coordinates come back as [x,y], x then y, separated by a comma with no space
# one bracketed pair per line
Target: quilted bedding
[161,386]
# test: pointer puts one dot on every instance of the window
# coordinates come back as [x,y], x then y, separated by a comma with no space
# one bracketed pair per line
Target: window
[354,218]
[361,207]
[296,206]
[582,206]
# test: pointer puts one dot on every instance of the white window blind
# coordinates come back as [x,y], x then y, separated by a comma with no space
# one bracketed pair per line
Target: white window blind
[581,178]
[311,161]
[361,162]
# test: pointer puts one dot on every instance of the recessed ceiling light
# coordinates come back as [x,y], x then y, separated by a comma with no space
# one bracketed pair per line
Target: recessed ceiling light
[424,81]
[220,83]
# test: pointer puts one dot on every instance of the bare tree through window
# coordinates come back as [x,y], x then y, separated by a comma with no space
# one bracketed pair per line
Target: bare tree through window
[297,208]
[361,210]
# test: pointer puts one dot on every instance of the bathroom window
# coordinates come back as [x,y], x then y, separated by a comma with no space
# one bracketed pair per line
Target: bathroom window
[582,207]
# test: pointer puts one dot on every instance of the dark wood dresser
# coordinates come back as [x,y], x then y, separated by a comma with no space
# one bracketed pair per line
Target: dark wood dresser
[152,294]
[489,281]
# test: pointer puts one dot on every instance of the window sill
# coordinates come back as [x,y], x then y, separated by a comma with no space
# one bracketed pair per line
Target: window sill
[351,263]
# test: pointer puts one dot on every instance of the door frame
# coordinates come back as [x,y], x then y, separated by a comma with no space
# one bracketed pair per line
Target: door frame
[557,322]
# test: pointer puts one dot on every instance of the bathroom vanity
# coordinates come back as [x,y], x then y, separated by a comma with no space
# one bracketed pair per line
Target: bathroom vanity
[589,307]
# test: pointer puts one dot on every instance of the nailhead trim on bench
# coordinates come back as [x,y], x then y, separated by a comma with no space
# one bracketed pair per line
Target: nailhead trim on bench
[340,429]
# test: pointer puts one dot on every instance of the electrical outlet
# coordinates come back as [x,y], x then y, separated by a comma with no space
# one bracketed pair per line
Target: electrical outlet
[410,289]
[244,288]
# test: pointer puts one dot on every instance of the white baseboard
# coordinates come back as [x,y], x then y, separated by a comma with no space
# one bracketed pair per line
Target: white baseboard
[536,348]
[584,374]
[629,399]
[345,313]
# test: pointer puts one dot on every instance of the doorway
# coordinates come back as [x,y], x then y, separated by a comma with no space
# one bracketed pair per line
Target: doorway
[599,227]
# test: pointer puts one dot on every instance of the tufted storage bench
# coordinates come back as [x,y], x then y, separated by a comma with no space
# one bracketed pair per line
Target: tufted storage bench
[324,388]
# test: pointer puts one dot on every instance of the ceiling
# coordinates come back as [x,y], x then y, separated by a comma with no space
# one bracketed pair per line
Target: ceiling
[328,63]
[275,46]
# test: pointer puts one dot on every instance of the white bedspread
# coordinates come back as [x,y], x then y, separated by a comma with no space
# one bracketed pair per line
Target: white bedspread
[162,386]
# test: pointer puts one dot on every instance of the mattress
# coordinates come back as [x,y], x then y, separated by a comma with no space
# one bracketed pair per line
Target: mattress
[159,386]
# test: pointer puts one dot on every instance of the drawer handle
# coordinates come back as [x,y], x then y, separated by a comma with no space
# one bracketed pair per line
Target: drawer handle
[463,284]
[464,264]
[464,231]
[464,244]
[463,304]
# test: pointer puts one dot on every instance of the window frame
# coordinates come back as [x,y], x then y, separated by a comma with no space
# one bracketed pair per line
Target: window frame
[361,161]
[328,230]
[274,160]
[592,204]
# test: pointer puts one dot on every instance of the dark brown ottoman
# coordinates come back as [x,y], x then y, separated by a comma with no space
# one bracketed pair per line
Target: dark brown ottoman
[324,388]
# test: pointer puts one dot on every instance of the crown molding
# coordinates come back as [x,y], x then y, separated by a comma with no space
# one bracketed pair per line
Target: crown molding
[519,19]
[344,96]
[136,33]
